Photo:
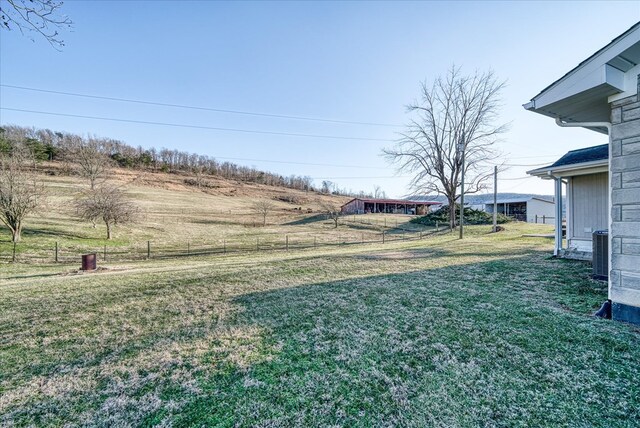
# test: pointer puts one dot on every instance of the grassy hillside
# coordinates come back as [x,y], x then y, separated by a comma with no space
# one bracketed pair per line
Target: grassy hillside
[488,331]
[176,216]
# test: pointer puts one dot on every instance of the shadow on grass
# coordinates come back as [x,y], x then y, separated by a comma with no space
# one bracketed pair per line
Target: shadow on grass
[307,220]
[501,342]
[34,233]
[473,344]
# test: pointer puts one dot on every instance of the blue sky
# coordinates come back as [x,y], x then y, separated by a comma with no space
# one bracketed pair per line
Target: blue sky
[353,61]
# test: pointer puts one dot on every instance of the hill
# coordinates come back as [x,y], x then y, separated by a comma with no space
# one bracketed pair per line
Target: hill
[177,216]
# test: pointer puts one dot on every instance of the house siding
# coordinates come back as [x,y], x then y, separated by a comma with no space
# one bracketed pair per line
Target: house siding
[624,275]
[589,205]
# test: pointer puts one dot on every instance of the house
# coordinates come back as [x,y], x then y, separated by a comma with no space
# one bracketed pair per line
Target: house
[531,209]
[396,206]
[585,173]
[601,94]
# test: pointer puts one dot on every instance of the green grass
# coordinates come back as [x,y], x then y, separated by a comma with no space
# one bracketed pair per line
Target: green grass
[488,331]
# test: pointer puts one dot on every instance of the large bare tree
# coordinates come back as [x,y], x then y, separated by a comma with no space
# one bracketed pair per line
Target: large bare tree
[456,113]
[21,193]
[106,203]
[35,16]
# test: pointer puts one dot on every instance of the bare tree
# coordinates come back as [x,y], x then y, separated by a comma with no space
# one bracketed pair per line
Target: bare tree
[20,192]
[377,191]
[91,163]
[39,16]
[263,208]
[332,210]
[456,114]
[327,186]
[108,204]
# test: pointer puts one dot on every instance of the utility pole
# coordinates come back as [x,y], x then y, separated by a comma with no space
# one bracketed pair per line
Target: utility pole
[495,198]
[461,152]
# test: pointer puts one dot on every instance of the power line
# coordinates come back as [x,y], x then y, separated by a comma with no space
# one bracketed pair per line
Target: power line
[328,164]
[212,128]
[533,157]
[516,178]
[525,164]
[184,106]
[297,163]
[359,178]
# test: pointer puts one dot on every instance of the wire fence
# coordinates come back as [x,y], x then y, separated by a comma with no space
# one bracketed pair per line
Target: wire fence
[157,250]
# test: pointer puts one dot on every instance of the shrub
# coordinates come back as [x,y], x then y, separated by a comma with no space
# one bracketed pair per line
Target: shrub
[471,216]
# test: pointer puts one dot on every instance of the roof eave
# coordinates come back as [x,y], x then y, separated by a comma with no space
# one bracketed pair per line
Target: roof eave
[582,94]
[551,172]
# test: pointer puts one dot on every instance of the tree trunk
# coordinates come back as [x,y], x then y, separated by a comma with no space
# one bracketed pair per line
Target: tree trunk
[452,211]
[335,220]
[108,230]
[264,220]
[15,234]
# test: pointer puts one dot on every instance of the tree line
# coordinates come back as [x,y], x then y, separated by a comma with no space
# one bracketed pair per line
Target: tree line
[48,145]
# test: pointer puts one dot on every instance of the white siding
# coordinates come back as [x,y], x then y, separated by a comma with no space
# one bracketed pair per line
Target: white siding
[542,209]
[588,208]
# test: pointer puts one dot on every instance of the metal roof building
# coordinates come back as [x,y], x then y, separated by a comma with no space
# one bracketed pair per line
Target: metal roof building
[391,206]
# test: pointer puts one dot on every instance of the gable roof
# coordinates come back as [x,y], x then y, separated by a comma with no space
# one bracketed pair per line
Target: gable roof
[580,161]
[581,95]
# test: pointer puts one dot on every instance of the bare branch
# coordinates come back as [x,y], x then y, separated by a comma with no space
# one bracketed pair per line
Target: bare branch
[38,16]
[108,204]
[454,109]
[21,193]
[263,207]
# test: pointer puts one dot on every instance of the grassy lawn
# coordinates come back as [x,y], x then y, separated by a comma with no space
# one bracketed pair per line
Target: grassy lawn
[489,331]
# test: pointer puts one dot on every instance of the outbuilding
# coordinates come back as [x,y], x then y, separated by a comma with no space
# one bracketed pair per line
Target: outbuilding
[531,209]
[390,206]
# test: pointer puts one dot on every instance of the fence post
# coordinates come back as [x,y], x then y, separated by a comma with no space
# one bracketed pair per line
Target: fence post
[286,242]
[537,219]
[543,219]
[56,252]
[148,249]
[105,254]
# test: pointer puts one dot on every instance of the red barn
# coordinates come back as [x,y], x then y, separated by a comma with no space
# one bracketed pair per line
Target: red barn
[390,206]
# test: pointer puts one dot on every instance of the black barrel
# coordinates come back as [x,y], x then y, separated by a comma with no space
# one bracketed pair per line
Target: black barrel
[89,261]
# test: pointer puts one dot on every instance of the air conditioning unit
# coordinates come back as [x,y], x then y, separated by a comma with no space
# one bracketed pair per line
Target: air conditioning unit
[601,254]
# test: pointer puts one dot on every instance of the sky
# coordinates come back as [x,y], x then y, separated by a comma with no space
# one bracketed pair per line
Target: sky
[343,61]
